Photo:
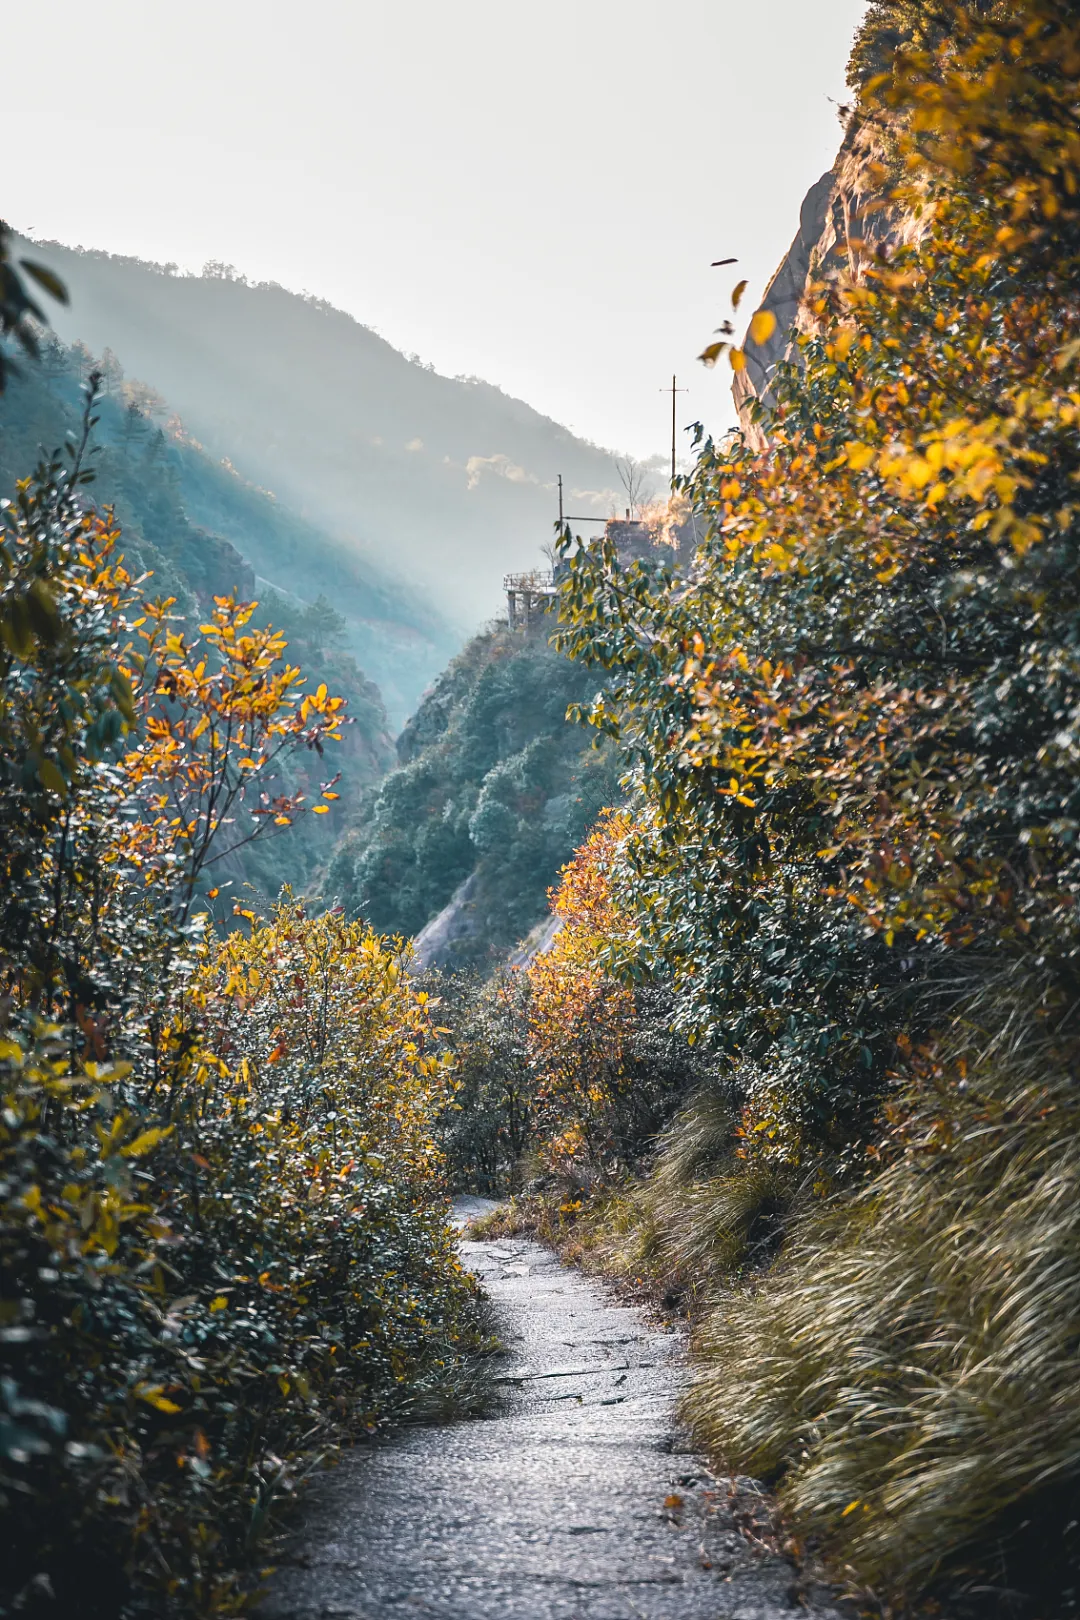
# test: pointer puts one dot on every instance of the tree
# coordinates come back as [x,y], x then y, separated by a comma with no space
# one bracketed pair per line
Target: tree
[134,428]
[635,481]
[111,373]
[219,719]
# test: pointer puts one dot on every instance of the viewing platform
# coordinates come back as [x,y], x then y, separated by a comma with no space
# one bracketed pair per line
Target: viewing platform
[528,594]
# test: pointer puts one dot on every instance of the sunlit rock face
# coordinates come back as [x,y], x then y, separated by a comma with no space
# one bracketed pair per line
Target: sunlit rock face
[843,223]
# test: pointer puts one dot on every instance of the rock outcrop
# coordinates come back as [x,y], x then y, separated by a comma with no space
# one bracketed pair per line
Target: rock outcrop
[843,222]
[455,923]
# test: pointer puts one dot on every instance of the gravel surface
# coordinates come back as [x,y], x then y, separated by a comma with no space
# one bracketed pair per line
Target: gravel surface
[577,1500]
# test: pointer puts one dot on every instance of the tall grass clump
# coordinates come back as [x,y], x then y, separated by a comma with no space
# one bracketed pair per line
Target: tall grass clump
[909,1373]
[706,1215]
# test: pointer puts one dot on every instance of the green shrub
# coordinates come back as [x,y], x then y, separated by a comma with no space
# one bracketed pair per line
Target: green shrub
[224,1246]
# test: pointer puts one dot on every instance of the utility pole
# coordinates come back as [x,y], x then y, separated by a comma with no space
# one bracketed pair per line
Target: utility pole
[568,517]
[673,391]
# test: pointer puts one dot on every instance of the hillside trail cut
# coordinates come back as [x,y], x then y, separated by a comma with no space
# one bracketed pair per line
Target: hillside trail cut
[577,1500]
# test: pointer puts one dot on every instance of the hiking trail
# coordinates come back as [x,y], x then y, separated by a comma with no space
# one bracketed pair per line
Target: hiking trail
[578,1499]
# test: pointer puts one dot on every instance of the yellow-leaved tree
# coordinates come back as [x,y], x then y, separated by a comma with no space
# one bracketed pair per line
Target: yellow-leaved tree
[223,1234]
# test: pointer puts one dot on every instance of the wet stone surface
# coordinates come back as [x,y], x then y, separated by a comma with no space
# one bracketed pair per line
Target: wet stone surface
[576,1501]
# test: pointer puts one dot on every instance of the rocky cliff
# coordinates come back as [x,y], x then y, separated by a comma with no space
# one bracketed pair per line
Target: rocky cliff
[843,222]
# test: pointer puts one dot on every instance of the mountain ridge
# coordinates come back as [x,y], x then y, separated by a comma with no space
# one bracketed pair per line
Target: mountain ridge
[448,482]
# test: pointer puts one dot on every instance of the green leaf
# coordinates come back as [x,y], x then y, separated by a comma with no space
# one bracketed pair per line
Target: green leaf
[52,778]
[45,278]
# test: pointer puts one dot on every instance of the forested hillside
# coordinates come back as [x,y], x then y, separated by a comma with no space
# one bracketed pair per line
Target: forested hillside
[493,788]
[198,532]
[168,487]
[443,483]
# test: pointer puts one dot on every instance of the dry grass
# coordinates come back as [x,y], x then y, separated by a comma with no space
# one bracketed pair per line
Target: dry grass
[699,1219]
[710,1216]
[909,1372]
[903,1362]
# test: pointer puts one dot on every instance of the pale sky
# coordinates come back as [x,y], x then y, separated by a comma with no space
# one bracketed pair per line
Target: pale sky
[528,194]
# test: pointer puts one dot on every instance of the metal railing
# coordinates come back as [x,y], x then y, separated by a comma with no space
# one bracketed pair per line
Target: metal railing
[539,582]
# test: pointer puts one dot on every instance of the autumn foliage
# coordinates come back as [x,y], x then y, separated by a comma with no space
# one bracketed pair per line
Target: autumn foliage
[223,1244]
[219,713]
[851,732]
[579,1015]
[606,1070]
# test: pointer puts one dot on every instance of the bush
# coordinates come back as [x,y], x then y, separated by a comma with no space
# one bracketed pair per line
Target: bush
[608,1072]
[486,1131]
[223,1237]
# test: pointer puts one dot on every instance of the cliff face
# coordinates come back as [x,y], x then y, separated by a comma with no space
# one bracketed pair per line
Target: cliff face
[783,298]
[842,223]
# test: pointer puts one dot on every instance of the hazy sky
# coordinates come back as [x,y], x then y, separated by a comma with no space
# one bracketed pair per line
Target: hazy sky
[529,194]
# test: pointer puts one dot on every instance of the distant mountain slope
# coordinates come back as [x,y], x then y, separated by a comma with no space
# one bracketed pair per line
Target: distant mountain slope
[399,639]
[494,791]
[447,482]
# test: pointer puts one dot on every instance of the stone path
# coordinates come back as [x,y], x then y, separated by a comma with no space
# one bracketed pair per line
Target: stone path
[577,1501]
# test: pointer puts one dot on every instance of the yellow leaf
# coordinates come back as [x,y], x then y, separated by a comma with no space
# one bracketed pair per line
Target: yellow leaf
[152,1395]
[736,297]
[858,455]
[320,809]
[219,1302]
[145,1141]
[738,360]
[762,326]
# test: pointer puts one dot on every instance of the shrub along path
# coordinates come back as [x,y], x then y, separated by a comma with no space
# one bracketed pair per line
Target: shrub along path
[576,1500]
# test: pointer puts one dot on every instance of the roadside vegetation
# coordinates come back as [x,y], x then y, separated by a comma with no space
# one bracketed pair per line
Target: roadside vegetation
[847,856]
[224,1247]
[799,1053]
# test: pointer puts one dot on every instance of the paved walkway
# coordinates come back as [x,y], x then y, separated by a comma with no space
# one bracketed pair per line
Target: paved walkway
[577,1501]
